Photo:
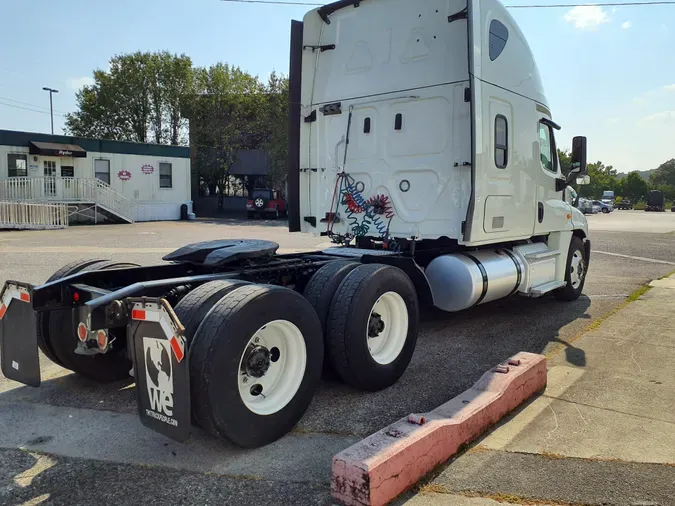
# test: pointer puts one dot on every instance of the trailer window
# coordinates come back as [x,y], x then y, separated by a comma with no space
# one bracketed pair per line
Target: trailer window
[366,126]
[17,165]
[501,142]
[165,175]
[499,34]
[547,148]
[102,170]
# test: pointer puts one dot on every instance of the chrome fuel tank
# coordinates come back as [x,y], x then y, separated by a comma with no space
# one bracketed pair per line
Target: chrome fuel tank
[461,280]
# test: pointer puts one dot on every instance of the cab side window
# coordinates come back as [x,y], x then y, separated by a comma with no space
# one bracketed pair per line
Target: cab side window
[547,148]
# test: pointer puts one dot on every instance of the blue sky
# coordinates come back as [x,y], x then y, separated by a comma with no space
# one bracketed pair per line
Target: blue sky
[609,72]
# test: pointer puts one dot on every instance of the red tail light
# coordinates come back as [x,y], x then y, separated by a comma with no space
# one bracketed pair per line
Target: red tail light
[102,339]
[82,332]
[138,314]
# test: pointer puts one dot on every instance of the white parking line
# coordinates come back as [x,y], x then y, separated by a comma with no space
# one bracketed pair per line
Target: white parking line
[643,259]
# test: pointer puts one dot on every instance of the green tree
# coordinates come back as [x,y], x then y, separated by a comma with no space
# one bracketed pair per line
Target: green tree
[139,99]
[664,174]
[663,178]
[634,186]
[223,119]
[603,178]
[275,122]
[565,158]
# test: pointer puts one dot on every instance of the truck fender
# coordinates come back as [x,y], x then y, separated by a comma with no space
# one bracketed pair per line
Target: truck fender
[412,269]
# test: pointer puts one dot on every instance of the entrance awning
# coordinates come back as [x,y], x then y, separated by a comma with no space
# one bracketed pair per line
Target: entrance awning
[55,149]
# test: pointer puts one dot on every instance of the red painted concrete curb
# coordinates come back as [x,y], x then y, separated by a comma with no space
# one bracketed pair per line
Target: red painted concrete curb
[380,467]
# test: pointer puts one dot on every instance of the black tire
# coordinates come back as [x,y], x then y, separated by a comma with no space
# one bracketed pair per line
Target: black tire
[193,308]
[348,326]
[42,318]
[605,210]
[569,292]
[215,363]
[112,366]
[320,292]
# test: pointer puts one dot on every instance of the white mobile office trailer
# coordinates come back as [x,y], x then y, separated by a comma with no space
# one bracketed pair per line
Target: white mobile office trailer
[122,181]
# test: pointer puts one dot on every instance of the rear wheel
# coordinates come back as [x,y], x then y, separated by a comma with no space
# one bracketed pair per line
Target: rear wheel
[62,337]
[193,308]
[605,210]
[320,292]
[43,317]
[372,328]
[575,273]
[255,364]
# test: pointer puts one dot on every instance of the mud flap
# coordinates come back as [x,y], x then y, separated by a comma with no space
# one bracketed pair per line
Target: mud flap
[160,367]
[18,334]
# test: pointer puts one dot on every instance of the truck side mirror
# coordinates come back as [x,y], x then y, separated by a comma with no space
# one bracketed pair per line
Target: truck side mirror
[579,156]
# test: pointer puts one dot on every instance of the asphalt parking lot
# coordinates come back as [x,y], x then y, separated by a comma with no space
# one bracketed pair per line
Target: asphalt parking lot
[71,432]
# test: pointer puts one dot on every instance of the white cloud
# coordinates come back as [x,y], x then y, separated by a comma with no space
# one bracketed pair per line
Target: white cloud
[669,87]
[77,83]
[658,117]
[626,25]
[587,17]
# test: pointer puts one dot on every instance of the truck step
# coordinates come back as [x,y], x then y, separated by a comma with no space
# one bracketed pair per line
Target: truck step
[540,255]
[356,252]
[540,290]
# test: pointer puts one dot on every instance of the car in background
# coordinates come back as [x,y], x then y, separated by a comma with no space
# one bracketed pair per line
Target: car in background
[586,206]
[266,202]
[625,204]
[604,206]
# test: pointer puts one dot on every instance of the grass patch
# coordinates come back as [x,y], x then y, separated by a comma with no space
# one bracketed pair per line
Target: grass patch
[668,275]
[635,295]
[516,499]
[433,488]
[592,326]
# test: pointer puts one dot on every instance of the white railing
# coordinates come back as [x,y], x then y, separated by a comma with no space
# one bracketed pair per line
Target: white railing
[22,215]
[68,189]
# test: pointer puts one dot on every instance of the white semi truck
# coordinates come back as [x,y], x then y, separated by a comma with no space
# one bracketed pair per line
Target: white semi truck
[422,144]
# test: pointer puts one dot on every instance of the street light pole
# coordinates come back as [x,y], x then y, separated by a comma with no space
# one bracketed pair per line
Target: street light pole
[51,107]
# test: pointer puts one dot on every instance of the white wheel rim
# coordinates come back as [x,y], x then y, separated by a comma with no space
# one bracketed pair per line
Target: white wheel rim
[258,202]
[281,380]
[577,269]
[386,346]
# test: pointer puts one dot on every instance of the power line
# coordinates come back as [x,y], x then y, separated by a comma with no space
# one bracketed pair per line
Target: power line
[31,110]
[531,6]
[7,99]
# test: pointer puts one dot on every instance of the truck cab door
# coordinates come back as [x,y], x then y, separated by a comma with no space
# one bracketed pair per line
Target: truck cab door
[551,211]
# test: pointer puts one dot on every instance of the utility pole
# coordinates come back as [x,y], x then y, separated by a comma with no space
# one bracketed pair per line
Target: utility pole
[51,107]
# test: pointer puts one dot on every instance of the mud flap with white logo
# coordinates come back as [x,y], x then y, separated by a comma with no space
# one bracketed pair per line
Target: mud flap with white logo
[160,368]
[18,334]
